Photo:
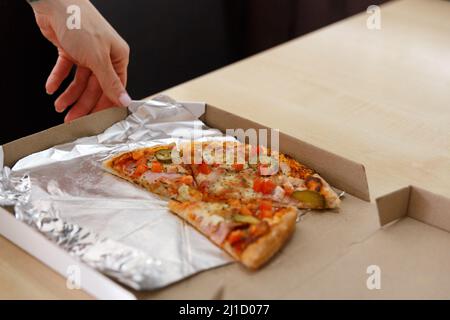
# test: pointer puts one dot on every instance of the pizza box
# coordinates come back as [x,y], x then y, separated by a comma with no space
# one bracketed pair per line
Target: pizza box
[323,240]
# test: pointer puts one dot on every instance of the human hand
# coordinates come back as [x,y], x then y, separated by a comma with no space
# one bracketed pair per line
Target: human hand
[99,53]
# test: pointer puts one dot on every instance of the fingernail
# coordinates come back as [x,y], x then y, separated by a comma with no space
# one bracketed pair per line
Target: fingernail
[48,89]
[58,107]
[125,99]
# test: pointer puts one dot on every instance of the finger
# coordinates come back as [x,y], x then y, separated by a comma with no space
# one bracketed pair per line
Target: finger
[111,84]
[120,56]
[121,69]
[60,71]
[102,104]
[87,101]
[74,90]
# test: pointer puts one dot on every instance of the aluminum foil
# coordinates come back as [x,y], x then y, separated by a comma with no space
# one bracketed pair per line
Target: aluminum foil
[108,223]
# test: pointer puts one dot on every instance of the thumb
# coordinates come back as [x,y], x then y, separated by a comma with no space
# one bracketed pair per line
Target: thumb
[111,85]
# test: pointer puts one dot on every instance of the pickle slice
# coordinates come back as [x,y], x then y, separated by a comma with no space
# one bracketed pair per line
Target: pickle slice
[164,155]
[245,219]
[311,199]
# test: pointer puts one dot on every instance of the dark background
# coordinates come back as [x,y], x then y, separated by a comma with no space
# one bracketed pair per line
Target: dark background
[171,41]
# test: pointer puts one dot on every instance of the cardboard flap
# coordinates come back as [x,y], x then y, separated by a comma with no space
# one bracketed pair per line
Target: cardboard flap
[415,203]
[393,206]
[429,208]
[18,149]
[350,176]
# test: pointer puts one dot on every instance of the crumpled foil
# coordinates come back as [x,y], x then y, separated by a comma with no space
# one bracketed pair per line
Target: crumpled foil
[106,222]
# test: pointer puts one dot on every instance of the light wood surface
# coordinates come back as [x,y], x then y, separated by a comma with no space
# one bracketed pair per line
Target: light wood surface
[379,97]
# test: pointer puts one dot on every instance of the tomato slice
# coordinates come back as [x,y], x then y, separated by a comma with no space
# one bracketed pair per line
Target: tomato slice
[265,205]
[204,168]
[140,169]
[238,166]
[235,236]
[268,187]
[157,167]
[258,184]
[141,161]
[265,214]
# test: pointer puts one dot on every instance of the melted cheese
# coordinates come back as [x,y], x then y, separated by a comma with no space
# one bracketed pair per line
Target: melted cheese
[204,211]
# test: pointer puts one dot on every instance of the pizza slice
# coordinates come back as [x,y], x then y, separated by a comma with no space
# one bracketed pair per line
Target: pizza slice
[153,169]
[242,171]
[250,232]
[295,184]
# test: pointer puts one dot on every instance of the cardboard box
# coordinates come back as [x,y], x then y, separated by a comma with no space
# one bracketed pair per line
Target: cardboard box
[323,241]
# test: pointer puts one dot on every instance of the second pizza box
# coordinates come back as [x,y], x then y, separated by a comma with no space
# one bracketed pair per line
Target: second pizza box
[322,239]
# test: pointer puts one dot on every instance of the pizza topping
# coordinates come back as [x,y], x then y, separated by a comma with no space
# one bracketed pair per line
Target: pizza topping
[257,184]
[221,232]
[288,189]
[183,193]
[265,186]
[164,155]
[313,183]
[245,219]
[265,205]
[137,154]
[236,236]
[141,167]
[213,219]
[152,177]
[171,168]
[157,167]
[139,171]
[127,167]
[241,238]
[268,187]
[238,166]
[278,193]
[312,199]
[245,210]
[265,214]
[285,169]
[258,230]
[204,168]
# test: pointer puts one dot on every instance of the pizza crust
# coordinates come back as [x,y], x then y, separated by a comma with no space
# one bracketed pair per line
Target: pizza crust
[259,252]
[108,166]
[331,198]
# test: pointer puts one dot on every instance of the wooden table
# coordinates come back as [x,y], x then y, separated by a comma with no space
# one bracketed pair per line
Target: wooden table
[379,97]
